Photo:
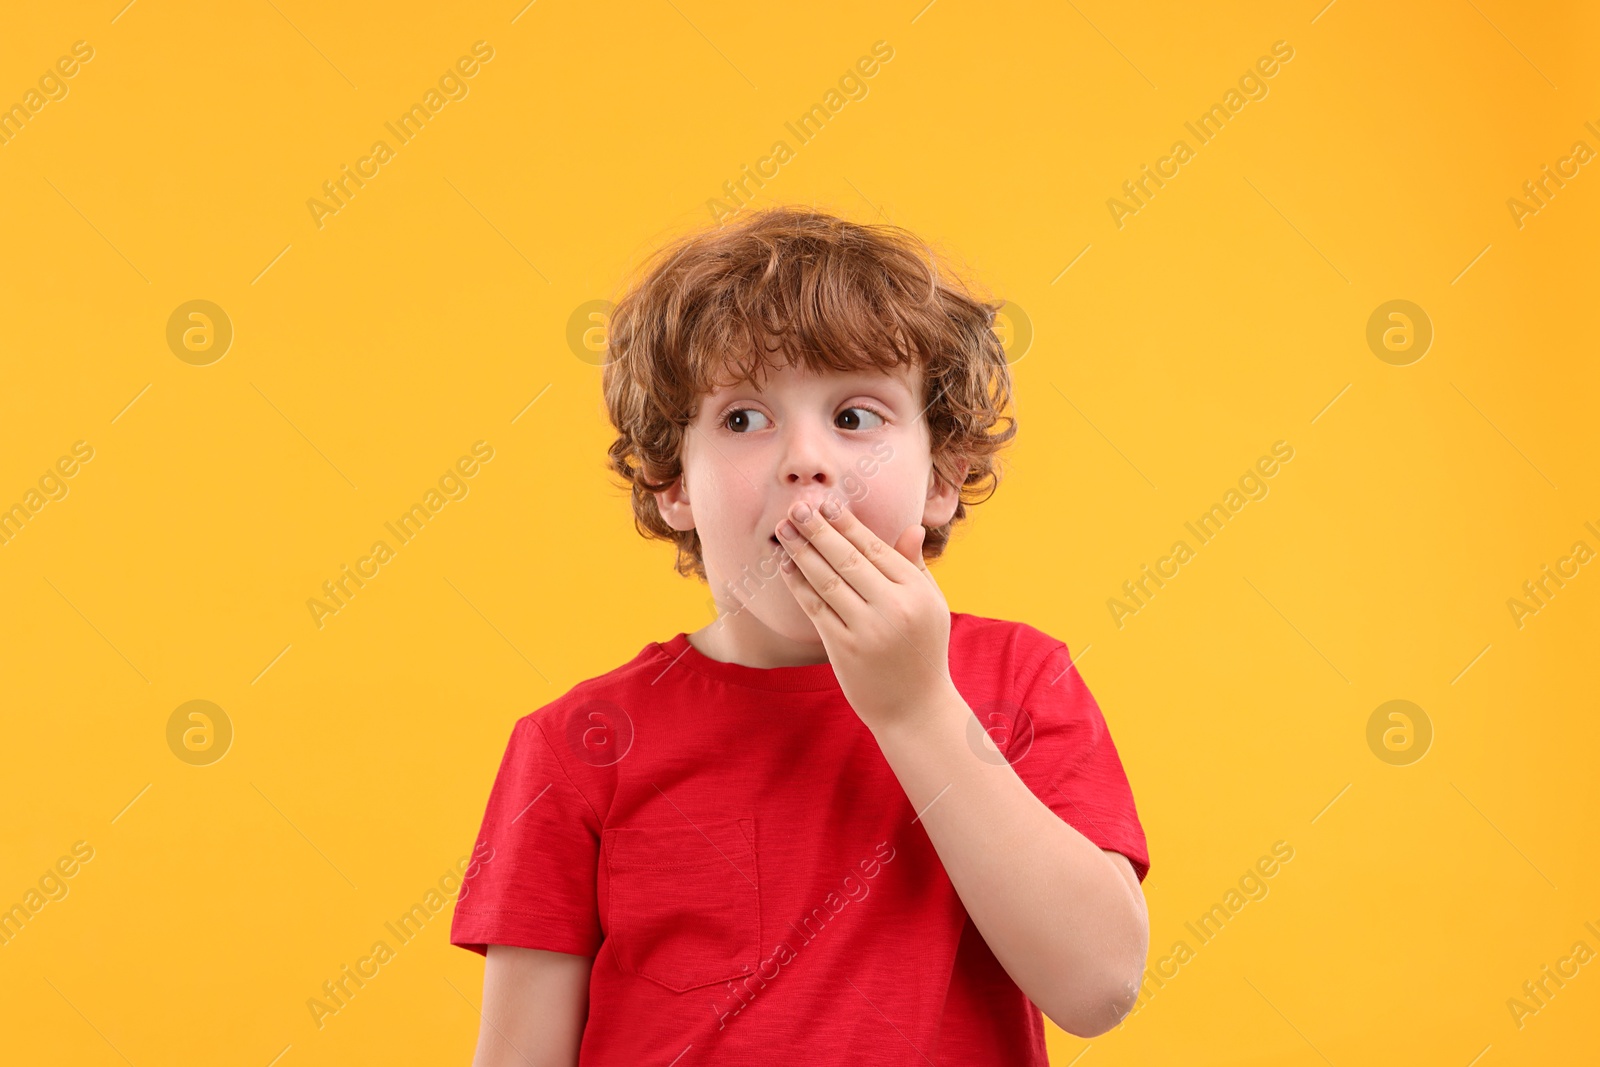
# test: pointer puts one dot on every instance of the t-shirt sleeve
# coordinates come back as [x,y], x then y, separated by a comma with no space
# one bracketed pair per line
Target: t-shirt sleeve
[531,880]
[1060,746]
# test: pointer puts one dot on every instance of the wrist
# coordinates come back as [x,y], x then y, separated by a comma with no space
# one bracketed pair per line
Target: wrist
[922,716]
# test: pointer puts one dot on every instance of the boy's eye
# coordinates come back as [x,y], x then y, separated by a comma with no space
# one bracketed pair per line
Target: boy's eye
[868,413]
[744,420]
[738,420]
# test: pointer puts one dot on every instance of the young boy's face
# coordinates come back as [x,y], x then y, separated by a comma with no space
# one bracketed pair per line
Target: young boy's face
[752,450]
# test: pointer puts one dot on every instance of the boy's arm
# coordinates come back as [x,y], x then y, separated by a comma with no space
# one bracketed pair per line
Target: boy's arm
[535,1004]
[1066,919]
[1057,913]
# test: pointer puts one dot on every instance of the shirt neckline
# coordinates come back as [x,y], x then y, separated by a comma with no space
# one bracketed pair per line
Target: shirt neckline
[803,678]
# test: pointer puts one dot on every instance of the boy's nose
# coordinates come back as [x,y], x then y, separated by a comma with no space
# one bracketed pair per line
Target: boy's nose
[811,481]
[808,461]
[808,475]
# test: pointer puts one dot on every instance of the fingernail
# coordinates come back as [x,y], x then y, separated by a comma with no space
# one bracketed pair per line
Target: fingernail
[803,512]
[830,508]
[786,529]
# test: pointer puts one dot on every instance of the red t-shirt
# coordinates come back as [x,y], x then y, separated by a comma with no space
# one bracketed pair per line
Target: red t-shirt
[732,848]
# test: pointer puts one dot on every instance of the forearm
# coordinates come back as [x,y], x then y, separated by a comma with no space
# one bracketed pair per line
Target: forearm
[1053,908]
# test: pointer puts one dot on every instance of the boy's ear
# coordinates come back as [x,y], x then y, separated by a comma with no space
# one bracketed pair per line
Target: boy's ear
[673,503]
[943,497]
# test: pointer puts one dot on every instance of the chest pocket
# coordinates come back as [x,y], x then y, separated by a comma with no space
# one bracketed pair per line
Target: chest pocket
[684,909]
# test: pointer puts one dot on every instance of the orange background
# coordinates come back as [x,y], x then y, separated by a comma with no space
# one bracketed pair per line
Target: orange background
[1168,354]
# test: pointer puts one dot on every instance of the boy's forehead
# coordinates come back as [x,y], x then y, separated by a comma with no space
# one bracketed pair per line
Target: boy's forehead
[906,375]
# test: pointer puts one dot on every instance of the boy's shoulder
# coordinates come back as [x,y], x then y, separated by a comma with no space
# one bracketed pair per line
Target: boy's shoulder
[979,639]
[595,706]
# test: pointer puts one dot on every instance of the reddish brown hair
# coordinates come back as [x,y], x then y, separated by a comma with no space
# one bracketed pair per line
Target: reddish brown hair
[820,291]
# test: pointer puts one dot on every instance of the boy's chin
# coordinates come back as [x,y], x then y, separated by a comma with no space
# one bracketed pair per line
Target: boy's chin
[787,619]
[797,626]
[773,607]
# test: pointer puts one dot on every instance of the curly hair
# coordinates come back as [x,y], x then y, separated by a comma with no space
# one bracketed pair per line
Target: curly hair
[822,291]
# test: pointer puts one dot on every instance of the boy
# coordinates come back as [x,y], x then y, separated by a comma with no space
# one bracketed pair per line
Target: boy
[839,823]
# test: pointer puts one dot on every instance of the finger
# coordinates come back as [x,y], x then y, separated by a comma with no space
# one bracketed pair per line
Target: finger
[809,600]
[859,556]
[892,562]
[822,578]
